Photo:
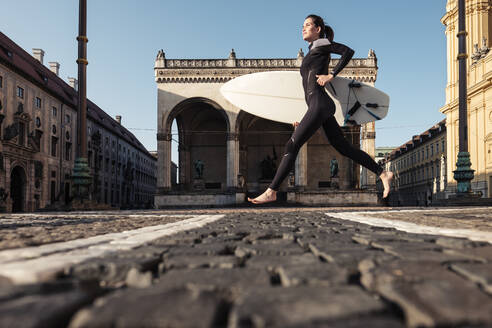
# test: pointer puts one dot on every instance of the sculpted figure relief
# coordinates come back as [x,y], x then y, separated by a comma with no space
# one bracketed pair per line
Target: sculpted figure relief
[199,166]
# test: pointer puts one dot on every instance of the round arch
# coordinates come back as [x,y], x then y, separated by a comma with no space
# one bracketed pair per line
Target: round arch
[190,102]
[203,128]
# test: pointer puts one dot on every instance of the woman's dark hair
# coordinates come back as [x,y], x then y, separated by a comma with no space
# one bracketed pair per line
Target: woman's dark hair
[326,30]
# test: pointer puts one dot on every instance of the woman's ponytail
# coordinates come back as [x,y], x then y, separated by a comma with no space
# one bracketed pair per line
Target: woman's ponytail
[329,34]
[326,30]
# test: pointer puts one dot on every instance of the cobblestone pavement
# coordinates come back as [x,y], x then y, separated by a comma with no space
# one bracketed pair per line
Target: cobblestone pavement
[266,267]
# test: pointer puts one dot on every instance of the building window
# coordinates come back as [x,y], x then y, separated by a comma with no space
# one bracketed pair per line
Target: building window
[443,150]
[37,102]
[1,82]
[53,191]
[54,111]
[68,151]
[432,150]
[38,122]
[20,92]
[67,118]
[54,143]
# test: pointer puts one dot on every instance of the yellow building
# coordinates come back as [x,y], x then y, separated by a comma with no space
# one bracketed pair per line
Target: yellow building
[479,90]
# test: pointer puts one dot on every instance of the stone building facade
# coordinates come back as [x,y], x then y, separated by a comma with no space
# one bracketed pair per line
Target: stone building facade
[420,168]
[38,140]
[226,153]
[479,91]
[381,153]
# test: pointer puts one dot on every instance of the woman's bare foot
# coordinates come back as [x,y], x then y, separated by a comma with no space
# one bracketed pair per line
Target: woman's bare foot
[269,195]
[386,178]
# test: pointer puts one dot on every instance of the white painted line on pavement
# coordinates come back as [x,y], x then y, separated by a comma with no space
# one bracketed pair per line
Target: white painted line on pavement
[362,217]
[33,264]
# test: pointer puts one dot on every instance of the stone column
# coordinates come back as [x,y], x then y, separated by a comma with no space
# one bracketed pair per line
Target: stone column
[232,160]
[301,168]
[163,162]
[443,175]
[368,138]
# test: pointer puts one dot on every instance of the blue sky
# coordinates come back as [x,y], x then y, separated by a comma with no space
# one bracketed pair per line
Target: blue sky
[125,35]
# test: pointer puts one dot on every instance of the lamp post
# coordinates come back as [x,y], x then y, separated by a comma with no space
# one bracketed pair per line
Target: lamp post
[463,173]
[81,173]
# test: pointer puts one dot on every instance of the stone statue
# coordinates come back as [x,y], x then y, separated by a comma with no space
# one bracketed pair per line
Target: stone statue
[476,55]
[240,181]
[484,51]
[199,165]
[160,54]
[334,168]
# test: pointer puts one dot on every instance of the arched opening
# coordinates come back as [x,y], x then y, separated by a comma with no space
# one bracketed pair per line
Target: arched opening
[261,146]
[200,144]
[174,154]
[18,189]
[320,174]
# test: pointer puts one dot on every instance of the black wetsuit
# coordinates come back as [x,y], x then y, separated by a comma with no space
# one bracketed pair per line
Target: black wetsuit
[321,110]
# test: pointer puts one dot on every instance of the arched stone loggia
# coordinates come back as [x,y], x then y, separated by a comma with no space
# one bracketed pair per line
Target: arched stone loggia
[184,83]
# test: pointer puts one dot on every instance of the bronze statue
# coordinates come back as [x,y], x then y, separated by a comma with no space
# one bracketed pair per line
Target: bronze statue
[334,168]
[199,166]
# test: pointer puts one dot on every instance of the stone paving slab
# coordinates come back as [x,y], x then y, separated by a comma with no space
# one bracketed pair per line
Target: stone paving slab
[471,223]
[156,308]
[278,268]
[44,305]
[429,293]
[300,306]
[46,262]
[42,229]
[478,218]
[480,274]
[479,253]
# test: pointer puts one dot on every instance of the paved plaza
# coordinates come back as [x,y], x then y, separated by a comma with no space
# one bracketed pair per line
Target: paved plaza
[251,267]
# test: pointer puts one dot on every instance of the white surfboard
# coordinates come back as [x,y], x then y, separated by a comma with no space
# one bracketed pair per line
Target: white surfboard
[279,96]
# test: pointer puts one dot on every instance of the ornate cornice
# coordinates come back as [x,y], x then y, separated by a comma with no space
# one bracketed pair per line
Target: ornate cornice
[223,70]
[221,63]
[452,13]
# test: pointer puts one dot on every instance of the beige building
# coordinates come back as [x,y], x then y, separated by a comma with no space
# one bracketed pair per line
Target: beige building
[38,122]
[226,153]
[479,90]
[419,168]
[381,153]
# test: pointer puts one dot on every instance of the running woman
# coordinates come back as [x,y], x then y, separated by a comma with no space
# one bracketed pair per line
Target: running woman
[321,108]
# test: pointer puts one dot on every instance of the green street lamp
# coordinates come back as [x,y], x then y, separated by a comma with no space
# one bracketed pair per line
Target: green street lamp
[463,173]
[81,173]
